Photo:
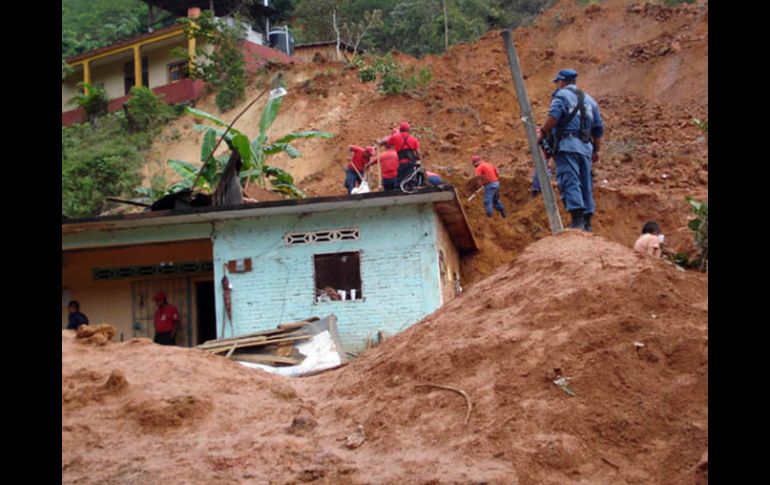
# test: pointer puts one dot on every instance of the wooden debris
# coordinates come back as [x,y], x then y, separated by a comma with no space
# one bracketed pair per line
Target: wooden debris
[266,359]
[271,347]
[453,389]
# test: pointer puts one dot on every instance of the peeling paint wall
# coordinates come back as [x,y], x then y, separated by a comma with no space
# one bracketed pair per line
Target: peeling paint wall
[399,270]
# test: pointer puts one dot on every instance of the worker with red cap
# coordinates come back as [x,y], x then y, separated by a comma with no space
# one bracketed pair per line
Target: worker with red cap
[362,158]
[486,173]
[408,149]
[166,321]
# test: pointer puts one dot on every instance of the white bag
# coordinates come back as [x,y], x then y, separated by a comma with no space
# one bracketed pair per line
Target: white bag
[361,189]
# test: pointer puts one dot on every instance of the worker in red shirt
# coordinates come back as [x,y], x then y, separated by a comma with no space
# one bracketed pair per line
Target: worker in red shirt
[166,321]
[358,164]
[408,149]
[486,173]
[389,167]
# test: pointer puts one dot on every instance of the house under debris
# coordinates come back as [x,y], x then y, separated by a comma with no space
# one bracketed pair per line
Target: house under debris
[378,261]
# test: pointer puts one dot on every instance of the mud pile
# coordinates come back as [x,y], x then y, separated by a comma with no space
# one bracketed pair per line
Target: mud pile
[628,333]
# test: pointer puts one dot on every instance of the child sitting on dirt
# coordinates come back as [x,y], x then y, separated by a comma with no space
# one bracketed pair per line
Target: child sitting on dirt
[651,240]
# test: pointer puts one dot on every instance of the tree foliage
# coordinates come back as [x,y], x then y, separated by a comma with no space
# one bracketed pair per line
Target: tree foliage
[224,66]
[415,27]
[253,152]
[90,24]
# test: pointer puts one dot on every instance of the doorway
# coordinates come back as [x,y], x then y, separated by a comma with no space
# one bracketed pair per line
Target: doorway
[207,321]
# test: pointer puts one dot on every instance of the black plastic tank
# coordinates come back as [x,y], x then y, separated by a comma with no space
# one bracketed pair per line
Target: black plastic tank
[282,40]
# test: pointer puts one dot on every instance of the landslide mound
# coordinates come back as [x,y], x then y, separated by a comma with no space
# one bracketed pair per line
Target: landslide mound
[629,333]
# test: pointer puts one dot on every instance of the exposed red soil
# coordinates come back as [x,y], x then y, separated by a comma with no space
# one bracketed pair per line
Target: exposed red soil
[629,332]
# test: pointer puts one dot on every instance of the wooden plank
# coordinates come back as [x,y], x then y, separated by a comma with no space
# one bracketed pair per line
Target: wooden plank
[240,345]
[230,352]
[554,219]
[227,343]
[266,359]
[279,329]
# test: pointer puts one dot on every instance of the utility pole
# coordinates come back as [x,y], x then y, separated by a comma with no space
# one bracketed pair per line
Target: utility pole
[554,219]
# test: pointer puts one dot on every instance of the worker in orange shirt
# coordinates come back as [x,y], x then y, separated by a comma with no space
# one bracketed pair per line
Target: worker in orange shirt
[486,173]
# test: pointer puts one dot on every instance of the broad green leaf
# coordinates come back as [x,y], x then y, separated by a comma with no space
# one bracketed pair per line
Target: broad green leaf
[304,134]
[185,169]
[208,116]
[292,152]
[282,147]
[209,141]
[241,143]
[268,116]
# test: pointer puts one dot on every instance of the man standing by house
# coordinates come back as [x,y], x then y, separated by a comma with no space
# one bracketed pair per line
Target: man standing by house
[408,149]
[76,318]
[576,128]
[486,174]
[358,164]
[166,321]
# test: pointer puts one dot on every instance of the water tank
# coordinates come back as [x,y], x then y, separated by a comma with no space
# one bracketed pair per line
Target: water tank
[282,40]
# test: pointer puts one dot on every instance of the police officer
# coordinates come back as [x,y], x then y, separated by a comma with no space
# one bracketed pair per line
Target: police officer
[577,131]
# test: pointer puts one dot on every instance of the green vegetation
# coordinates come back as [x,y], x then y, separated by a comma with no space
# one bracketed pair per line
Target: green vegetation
[392,77]
[146,112]
[415,27]
[104,158]
[253,154]
[93,100]
[90,24]
[224,66]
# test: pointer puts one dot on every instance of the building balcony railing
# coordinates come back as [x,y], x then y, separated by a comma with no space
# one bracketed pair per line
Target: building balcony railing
[173,93]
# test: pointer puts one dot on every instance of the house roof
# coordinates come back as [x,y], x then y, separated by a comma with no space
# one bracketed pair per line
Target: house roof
[444,201]
[125,42]
[221,7]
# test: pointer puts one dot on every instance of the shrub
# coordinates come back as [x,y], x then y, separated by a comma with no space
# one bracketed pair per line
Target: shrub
[93,100]
[144,111]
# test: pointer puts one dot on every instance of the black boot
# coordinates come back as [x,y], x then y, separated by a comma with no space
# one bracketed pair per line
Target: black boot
[577,219]
[502,213]
[587,222]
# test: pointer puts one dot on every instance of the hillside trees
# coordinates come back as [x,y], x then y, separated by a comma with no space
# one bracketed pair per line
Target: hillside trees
[416,27]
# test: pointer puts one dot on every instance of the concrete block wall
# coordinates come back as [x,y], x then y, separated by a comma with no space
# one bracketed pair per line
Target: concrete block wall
[399,270]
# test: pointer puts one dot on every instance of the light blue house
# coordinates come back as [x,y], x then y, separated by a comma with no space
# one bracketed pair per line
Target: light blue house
[378,261]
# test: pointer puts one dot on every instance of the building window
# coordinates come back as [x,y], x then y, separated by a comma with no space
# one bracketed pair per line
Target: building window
[178,71]
[334,235]
[128,75]
[338,276]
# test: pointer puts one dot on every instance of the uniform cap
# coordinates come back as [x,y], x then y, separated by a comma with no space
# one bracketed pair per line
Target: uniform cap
[404,126]
[565,74]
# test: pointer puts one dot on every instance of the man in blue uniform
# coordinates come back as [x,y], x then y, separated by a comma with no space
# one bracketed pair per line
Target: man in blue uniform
[576,126]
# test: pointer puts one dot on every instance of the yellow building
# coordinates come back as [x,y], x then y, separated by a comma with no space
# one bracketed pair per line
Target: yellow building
[148,60]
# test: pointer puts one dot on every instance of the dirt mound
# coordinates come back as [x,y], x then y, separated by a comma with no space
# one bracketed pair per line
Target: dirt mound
[95,334]
[628,333]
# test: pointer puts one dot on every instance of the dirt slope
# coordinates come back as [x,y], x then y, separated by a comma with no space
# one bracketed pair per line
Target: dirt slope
[645,64]
[630,333]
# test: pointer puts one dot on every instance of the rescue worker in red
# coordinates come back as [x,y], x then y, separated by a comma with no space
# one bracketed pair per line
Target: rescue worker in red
[166,321]
[408,149]
[358,164]
[486,173]
[389,167]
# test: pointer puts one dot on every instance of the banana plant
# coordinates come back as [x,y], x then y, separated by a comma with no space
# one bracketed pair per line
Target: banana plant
[253,153]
